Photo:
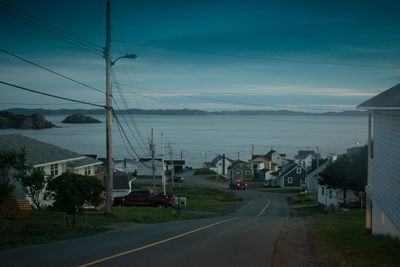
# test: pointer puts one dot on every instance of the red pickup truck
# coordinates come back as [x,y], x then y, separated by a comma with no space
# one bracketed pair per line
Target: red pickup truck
[140,197]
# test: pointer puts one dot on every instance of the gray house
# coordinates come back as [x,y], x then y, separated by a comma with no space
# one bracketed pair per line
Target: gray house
[239,170]
[383,201]
[292,175]
[53,160]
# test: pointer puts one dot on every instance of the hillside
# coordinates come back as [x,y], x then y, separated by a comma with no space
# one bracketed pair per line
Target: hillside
[35,121]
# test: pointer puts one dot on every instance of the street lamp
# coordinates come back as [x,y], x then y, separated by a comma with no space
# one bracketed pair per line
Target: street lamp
[131,56]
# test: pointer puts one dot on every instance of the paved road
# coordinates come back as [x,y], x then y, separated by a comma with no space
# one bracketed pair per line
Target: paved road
[243,238]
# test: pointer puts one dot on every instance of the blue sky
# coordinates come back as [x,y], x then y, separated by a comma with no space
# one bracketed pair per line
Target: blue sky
[211,55]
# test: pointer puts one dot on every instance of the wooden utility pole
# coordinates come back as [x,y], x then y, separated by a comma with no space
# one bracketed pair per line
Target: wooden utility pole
[109,176]
[163,168]
[217,165]
[171,160]
[152,146]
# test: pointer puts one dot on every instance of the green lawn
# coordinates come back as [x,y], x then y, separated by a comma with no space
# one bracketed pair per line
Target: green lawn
[302,199]
[203,171]
[44,226]
[345,242]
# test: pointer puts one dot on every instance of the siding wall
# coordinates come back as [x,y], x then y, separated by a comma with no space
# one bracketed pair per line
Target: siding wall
[386,169]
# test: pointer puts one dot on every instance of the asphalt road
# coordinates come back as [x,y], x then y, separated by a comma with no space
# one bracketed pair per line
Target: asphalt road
[243,238]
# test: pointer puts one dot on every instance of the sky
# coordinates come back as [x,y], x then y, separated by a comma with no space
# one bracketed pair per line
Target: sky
[312,56]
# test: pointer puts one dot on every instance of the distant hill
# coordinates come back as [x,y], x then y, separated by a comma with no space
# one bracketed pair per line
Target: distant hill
[80,118]
[183,112]
[17,121]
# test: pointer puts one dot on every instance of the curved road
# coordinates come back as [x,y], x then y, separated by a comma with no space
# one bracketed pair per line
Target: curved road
[243,238]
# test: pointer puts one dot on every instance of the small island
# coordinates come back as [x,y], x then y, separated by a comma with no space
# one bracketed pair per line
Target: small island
[80,118]
[17,121]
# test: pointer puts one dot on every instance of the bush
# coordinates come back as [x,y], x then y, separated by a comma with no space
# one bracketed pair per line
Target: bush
[204,171]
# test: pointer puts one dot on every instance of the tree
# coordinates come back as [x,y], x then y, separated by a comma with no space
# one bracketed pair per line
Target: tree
[34,184]
[12,165]
[347,172]
[70,192]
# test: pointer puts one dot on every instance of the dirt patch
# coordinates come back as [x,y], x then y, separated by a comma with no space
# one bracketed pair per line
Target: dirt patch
[292,247]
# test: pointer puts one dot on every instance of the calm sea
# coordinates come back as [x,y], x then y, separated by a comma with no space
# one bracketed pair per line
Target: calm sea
[201,137]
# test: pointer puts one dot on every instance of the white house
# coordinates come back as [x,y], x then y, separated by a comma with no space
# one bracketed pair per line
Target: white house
[305,158]
[276,158]
[382,190]
[335,196]
[53,160]
[311,179]
[220,165]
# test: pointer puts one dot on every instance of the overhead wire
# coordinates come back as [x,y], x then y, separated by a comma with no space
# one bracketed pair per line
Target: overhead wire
[257,57]
[51,95]
[52,71]
[48,28]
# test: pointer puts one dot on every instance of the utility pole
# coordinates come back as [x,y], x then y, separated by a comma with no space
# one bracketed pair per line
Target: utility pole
[217,165]
[152,162]
[163,168]
[171,160]
[109,176]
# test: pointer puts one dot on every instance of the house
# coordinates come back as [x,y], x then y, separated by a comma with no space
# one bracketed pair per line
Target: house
[335,197]
[291,175]
[276,158]
[178,165]
[239,170]
[312,177]
[383,187]
[305,158]
[53,160]
[262,163]
[220,164]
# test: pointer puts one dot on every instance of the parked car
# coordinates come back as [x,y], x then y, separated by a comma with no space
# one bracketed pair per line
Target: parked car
[177,179]
[141,197]
[237,185]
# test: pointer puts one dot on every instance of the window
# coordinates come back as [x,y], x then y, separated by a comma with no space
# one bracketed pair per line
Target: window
[298,170]
[323,190]
[330,193]
[54,169]
[255,165]
[247,172]
[88,171]
[237,172]
[290,180]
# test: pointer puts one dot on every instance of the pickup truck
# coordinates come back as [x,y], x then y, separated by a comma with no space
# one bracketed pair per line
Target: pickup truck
[140,197]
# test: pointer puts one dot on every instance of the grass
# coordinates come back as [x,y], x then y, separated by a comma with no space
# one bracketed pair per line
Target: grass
[279,190]
[43,226]
[346,243]
[213,178]
[302,199]
[203,171]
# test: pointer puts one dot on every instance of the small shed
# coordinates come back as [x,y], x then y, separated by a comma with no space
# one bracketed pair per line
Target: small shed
[16,208]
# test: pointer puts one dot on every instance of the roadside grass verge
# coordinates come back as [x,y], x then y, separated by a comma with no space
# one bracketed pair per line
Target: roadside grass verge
[203,171]
[279,190]
[213,178]
[43,226]
[344,241]
[302,199]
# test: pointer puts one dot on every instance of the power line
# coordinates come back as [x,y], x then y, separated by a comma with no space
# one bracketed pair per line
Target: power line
[51,95]
[48,29]
[52,71]
[256,57]
[89,43]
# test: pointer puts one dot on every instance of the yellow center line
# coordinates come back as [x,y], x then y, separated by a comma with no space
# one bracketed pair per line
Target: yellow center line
[156,243]
[266,206]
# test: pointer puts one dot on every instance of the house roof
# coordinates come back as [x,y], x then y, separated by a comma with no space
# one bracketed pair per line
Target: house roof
[304,154]
[219,157]
[37,152]
[235,162]
[86,161]
[389,99]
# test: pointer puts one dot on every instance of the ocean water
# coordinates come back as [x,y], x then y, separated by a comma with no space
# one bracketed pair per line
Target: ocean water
[199,138]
